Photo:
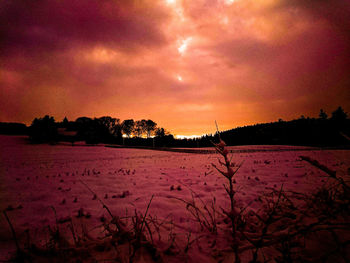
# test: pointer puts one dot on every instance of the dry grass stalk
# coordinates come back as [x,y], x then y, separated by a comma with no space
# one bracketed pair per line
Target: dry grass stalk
[230,170]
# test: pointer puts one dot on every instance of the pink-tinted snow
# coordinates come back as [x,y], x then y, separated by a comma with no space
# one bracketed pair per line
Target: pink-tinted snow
[40,176]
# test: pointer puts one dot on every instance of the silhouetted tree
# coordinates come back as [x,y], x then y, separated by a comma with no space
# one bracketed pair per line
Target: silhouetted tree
[150,127]
[339,114]
[43,130]
[339,119]
[108,122]
[117,131]
[140,128]
[128,127]
[160,132]
[65,121]
[82,126]
[323,115]
[83,120]
[163,138]
[96,130]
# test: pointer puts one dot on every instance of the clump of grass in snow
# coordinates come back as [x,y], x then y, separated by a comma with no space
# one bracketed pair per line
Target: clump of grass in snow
[126,239]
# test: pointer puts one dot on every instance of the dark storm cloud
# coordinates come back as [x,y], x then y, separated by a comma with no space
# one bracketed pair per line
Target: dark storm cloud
[334,12]
[46,26]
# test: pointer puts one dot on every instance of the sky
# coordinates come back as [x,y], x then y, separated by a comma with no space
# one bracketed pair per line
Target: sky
[182,63]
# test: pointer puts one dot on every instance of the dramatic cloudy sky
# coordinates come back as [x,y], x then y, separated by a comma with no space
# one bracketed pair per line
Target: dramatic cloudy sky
[183,63]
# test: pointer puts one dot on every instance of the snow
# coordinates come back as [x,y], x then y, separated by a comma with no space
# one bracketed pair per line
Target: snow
[38,177]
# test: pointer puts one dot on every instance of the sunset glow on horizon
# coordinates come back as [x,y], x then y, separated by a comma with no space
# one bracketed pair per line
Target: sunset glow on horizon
[183,64]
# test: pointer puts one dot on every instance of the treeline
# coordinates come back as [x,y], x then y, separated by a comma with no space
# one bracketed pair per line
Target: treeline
[105,129]
[333,130]
[322,131]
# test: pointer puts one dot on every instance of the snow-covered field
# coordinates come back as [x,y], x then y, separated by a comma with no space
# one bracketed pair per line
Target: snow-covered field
[38,177]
